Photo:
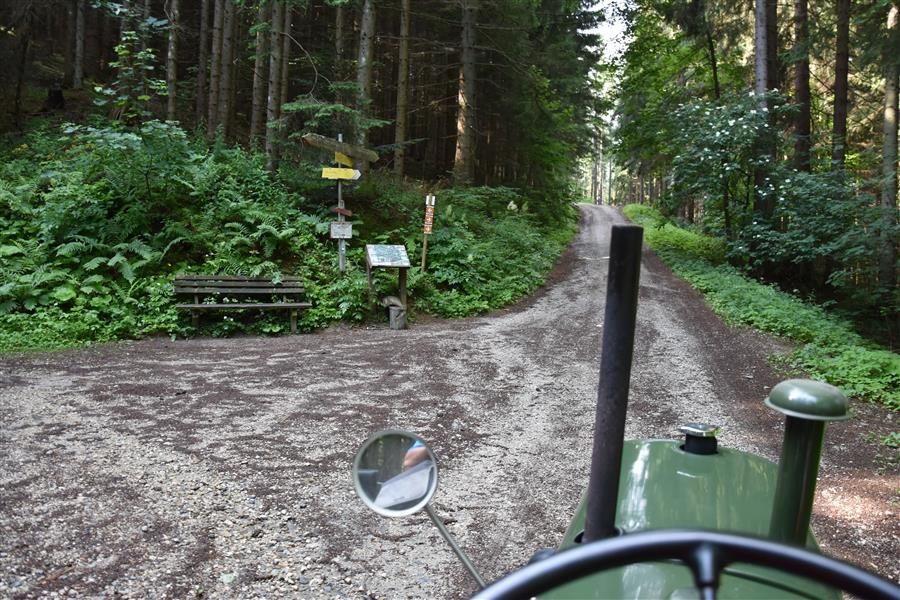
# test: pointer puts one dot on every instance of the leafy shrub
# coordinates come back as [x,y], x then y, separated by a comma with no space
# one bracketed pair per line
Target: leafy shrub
[95,225]
[829,350]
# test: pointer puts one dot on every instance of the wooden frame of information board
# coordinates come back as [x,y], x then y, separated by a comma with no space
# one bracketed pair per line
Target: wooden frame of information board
[384,256]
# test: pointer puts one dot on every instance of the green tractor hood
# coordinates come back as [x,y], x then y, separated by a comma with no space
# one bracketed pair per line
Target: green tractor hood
[662,486]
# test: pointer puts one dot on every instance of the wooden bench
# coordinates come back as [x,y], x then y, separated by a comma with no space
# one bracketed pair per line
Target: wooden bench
[268,294]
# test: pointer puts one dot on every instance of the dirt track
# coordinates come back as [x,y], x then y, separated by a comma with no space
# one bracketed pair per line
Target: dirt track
[221,466]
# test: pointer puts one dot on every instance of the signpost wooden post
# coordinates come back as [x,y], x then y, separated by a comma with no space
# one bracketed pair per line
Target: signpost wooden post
[342,242]
[429,221]
[344,156]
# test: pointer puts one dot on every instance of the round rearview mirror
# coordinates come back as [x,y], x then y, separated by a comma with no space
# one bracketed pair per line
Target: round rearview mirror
[395,473]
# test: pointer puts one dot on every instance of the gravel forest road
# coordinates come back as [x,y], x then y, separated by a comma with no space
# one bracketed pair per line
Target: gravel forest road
[221,467]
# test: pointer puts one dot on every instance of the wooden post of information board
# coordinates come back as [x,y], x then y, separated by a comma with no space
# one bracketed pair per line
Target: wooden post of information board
[380,256]
[429,220]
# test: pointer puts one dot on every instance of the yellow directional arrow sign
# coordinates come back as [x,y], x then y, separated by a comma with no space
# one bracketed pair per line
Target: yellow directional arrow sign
[343,159]
[332,173]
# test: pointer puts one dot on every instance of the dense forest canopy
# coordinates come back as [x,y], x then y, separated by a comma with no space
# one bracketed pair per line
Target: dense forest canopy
[494,92]
[772,126]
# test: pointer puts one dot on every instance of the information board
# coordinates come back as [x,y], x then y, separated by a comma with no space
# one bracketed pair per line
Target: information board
[382,255]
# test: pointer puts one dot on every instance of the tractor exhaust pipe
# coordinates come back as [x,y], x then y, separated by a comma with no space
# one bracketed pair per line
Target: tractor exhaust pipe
[615,373]
[808,406]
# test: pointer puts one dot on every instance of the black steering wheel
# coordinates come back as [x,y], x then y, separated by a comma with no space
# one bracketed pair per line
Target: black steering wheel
[706,553]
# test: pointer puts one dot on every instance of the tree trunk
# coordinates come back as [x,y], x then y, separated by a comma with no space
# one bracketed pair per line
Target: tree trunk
[237,34]
[226,64]
[257,110]
[464,160]
[713,63]
[402,91]
[888,251]
[69,54]
[600,170]
[760,46]
[202,56]
[595,179]
[125,20]
[141,25]
[274,72]
[212,119]
[339,35]
[364,70]
[172,59]
[286,40]
[105,41]
[803,118]
[764,82]
[285,79]
[78,67]
[841,73]
[772,43]
[24,33]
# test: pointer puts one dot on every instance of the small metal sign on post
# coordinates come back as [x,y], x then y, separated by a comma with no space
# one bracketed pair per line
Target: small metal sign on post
[429,221]
[344,154]
[341,230]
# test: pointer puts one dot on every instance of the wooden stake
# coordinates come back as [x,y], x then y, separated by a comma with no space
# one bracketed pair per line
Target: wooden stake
[402,278]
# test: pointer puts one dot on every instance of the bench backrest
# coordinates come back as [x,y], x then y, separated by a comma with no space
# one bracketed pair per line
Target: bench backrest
[236,285]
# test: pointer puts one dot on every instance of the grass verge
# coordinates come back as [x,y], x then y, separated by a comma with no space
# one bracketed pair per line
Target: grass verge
[828,348]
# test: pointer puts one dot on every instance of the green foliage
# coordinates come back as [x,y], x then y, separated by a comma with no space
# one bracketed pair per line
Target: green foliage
[667,238]
[487,250]
[95,224]
[723,157]
[129,96]
[829,348]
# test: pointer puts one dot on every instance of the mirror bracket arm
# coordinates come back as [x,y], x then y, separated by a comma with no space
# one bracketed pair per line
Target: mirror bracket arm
[467,563]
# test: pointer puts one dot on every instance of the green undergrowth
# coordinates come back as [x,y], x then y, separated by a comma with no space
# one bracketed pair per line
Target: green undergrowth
[828,348]
[96,221]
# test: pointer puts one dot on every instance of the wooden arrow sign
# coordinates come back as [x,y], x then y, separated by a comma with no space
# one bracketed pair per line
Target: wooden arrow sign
[325,143]
[333,173]
[342,211]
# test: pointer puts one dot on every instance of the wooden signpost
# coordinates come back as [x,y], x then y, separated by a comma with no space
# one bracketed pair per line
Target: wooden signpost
[344,156]
[429,221]
[348,150]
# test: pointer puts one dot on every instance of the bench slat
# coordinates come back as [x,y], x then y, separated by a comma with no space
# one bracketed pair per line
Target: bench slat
[247,305]
[187,278]
[265,284]
[236,284]
[239,291]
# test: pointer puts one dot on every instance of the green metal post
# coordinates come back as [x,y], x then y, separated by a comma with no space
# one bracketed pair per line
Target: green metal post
[796,487]
[808,406]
